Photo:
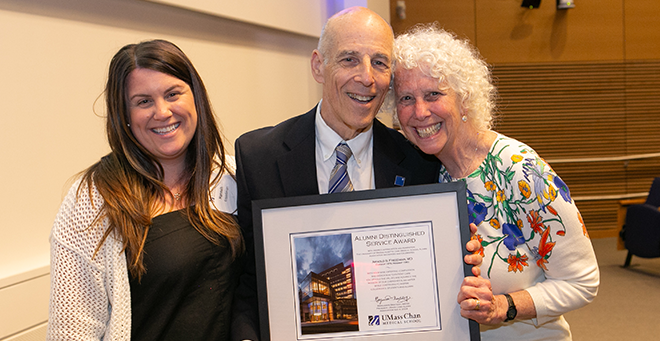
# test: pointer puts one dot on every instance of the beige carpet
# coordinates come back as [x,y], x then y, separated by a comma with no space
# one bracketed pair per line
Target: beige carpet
[628,303]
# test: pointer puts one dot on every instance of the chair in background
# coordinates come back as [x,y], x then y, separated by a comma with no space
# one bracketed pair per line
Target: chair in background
[641,232]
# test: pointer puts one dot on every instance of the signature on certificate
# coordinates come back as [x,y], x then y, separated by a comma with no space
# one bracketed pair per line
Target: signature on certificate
[397,299]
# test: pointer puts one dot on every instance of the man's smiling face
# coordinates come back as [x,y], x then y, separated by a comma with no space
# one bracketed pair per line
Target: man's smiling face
[355,73]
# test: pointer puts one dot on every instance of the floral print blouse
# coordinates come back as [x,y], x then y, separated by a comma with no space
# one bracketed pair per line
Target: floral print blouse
[532,235]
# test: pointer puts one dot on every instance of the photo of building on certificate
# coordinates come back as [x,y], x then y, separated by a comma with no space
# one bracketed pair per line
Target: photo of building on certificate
[326,283]
[366,280]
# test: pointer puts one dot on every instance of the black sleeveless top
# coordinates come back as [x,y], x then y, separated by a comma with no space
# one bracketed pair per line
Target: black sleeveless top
[187,290]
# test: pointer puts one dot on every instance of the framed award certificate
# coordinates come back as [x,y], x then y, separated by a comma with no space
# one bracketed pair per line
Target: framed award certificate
[382,264]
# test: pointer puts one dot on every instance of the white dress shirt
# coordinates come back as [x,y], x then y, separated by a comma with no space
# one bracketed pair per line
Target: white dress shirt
[360,165]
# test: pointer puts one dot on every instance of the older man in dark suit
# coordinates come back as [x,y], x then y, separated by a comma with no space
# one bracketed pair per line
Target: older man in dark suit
[296,157]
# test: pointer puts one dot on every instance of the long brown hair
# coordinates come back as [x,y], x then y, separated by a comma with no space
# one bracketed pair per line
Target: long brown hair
[130,178]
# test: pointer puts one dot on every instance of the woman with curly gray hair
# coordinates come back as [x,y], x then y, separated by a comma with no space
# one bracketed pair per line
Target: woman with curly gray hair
[538,260]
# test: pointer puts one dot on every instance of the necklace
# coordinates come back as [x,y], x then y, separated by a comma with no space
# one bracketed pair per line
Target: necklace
[477,146]
[474,159]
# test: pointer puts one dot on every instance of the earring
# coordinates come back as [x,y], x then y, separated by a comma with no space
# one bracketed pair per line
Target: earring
[464,118]
[128,124]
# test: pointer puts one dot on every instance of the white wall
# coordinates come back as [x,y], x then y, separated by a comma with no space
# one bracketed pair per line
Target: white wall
[283,15]
[277,14]
[53,63]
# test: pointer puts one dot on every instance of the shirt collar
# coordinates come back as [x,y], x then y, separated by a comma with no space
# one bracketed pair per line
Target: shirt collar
[328,139]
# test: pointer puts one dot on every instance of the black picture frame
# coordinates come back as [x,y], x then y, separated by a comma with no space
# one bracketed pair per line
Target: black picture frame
[278,221]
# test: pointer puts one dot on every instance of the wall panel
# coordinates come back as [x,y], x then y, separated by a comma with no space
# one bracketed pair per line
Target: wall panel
[24,301]
[642,23]
[508,33]
[455,16]
[596,111]
[577,83]
[561,100]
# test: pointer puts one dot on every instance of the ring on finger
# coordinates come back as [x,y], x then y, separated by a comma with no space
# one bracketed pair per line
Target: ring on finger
[478,306]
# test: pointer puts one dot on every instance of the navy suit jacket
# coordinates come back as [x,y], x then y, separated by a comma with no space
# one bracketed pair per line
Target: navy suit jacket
[280,161]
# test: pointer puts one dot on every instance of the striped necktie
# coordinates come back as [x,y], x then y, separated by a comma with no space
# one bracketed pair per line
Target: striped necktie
[339,180]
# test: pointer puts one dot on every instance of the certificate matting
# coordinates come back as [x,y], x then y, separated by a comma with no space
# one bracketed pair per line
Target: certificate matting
[407,246]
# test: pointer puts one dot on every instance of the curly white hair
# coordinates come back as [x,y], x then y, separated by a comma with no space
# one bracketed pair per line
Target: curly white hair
[455,63]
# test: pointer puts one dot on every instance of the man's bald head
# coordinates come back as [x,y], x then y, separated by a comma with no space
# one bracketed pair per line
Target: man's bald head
[353,62]
[352,18]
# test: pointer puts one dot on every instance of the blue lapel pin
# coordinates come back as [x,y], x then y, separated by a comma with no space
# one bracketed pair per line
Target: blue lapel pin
[399,180]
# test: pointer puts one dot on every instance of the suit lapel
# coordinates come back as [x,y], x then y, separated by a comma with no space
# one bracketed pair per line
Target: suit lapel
[387,157]
[298,166]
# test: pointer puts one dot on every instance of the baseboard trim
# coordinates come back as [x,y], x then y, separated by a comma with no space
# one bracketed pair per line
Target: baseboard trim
[36,333]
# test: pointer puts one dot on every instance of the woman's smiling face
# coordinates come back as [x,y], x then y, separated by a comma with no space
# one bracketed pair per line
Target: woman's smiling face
[429,113]
[162,113]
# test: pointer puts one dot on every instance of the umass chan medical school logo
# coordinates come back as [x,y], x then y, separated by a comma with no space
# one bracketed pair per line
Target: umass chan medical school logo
[388,319]
[374,320]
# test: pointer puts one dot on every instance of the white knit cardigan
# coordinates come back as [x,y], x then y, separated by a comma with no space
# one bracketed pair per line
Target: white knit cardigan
[90,294]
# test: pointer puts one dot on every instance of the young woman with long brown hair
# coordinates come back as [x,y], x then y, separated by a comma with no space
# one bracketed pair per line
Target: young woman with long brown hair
[144,245]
